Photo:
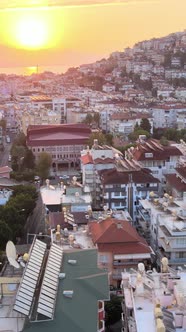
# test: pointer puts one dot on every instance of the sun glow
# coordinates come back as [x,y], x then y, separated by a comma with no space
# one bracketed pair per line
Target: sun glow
[32,33]
[32,30]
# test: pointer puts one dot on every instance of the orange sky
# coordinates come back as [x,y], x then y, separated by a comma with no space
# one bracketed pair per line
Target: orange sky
[82,31]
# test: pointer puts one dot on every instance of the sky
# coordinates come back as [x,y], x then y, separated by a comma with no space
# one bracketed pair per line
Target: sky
[73,32]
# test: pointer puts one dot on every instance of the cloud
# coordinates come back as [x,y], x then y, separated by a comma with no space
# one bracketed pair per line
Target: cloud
[34,4]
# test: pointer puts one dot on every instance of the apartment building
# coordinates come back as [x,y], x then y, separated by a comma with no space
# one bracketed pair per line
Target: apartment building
[165,218]
[119,246]
[124,186]
[124,123]
[160,160]
[153,301]
[92,161]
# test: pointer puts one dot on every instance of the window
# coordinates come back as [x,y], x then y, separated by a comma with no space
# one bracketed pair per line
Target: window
[103,259]
[180,254]
[181,242]
[148,155]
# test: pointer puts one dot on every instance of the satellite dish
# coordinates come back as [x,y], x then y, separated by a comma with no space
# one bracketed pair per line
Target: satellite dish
[11,254]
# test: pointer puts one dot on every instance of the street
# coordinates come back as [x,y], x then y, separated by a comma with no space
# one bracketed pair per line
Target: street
[4,154]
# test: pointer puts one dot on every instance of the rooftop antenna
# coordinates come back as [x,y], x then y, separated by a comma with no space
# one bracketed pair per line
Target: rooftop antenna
[11,254]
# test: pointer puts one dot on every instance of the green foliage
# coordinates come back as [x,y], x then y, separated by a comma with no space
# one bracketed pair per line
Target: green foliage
[125,147]
[145,125]
[20,140]
[135,135]
[23,159]
[5,234]
[29,160]
[43,165]
[164,141]
[15,212]
[102,139]
[3,124]
[26,189]
[89,118]
[26,175]
[113,310]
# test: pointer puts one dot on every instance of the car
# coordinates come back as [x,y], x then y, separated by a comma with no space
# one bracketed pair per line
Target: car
[64,177]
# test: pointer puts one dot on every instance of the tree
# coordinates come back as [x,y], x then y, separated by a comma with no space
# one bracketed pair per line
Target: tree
[5,234]
[3,124]
[18,153]
[102,139]
[88,120]
[164,141]
[43,165]
[96,118]
[26,189]
[29,159]
[113,310]
[20,139]
[135,135]
[145,125]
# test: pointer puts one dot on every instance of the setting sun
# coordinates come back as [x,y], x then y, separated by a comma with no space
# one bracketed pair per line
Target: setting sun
[32,33]
[31,29]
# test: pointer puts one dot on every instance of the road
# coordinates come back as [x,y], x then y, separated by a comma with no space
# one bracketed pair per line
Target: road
[4,155]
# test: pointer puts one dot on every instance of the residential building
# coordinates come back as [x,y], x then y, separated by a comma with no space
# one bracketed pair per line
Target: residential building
[153,301]
[54,290]
[166,219]
[73,196]
[92,161]
[176,183]
[124,123]
[161,160]
[119,246]
[123,186]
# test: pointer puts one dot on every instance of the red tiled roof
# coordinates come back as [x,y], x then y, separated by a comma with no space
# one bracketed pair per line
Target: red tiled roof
[124,248]
[103,161]
[176,182]
[158,151]
[65,134]
[112,176]
[128,116]
[181,171]
[107,232]
[5,169]
[87,159]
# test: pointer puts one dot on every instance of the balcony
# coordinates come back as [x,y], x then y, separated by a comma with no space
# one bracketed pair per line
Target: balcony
[177,261]
[144,214]
[101,327]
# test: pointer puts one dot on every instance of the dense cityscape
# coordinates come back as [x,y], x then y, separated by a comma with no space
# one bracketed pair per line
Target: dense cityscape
[93,194]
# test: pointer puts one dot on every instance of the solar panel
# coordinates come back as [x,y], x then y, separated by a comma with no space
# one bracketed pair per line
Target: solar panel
[30,278]
[47,297]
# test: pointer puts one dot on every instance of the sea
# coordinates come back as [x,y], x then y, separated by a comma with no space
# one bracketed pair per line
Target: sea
[26,71]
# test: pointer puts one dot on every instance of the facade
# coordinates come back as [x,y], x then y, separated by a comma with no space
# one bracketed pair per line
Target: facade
[124,123]
[63,142]
[176,183]
[166,219]
[119,246]
[160,160]
[123,189]
[92,161]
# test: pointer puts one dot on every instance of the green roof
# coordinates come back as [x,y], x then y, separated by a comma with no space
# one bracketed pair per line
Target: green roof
[89,284]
